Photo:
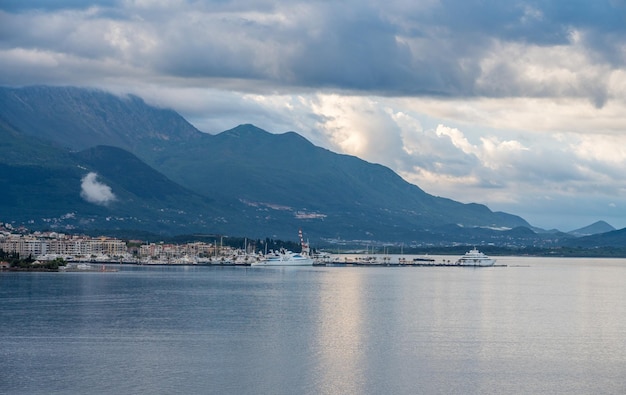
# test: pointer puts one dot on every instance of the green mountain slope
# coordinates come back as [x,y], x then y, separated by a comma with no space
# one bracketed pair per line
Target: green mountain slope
[287,176]
[37,180]
[47,187]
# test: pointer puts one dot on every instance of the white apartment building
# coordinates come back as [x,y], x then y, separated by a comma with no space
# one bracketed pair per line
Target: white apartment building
[32,245]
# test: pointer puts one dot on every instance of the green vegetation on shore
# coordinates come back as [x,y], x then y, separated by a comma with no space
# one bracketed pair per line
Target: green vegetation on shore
[16,263]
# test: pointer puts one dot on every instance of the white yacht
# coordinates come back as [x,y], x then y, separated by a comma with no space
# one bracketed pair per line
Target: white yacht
[287,258]
[284,258]
[475,258]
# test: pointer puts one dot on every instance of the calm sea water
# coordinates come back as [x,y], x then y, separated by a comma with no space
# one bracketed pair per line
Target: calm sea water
[537,326]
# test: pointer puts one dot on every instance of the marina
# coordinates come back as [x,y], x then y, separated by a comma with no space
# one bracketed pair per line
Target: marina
[397,261]
[290,258]
[112,252]
[77,251]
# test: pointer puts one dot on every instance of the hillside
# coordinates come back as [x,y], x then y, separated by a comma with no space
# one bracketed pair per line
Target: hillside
[593,229]
[47,187]
[615,238]
[249,181]
[287,170]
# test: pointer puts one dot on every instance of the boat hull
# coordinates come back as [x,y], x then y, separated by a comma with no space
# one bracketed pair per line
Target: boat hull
[289,262]
[482,262]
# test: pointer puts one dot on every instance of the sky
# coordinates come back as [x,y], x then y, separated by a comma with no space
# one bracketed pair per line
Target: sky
[518,105]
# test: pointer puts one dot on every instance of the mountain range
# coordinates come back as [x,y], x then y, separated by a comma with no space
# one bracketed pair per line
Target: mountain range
[85,159]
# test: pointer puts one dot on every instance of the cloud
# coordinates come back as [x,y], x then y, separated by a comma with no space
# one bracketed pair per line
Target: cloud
[515,105]
[447,48]
[21,5]
[94,191]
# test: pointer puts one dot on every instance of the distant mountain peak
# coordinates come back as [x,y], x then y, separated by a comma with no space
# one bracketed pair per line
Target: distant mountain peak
[244,130]
[595,228]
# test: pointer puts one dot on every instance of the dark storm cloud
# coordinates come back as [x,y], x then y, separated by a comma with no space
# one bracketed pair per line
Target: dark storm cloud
[539,22]
[395,48]
[51,5]
[353,48]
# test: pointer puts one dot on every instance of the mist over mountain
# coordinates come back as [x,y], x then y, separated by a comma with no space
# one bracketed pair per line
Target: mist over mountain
[168,177]
[78,118]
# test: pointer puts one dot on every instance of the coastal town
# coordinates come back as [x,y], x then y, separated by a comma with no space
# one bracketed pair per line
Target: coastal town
[48,246]
[54,250]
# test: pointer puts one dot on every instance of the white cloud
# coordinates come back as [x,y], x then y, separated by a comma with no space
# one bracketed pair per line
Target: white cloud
[94,191]
[457,138]
[609,149]
[358,126]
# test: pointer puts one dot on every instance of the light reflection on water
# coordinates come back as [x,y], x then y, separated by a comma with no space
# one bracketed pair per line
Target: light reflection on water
[338,338]
[537,326]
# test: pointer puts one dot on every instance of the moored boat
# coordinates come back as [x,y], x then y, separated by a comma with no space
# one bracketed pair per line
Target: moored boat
[475,258]
[85,267]
[283,257]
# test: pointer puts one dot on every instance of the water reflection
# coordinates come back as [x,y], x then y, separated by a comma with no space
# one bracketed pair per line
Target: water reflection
[338,336]
[537,326]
